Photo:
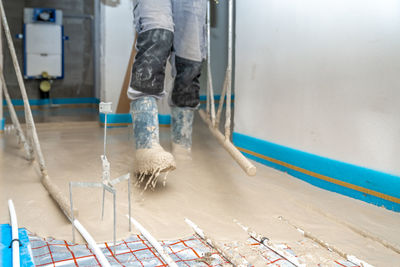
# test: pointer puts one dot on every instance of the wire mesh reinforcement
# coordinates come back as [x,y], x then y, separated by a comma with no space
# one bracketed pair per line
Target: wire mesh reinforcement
[137,251]
[133,251]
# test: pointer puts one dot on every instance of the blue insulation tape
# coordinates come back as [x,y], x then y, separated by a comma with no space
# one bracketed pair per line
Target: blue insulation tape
[6,251]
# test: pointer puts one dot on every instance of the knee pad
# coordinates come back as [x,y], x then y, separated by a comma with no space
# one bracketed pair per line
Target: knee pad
[148,71]
[187,85]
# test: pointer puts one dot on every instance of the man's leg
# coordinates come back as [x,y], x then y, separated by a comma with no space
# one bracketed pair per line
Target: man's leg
[155,28]
[189,44]
[154,25]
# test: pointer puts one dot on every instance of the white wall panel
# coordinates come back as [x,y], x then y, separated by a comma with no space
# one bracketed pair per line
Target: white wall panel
[321,76]
[117,40]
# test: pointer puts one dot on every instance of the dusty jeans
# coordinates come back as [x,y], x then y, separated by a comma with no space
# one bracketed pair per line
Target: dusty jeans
[166,26]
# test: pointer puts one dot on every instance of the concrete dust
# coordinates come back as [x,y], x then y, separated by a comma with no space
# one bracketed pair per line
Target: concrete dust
[211,190]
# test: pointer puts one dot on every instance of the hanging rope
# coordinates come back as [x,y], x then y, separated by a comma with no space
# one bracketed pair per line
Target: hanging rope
[15,121]
[53,190]
[213,120]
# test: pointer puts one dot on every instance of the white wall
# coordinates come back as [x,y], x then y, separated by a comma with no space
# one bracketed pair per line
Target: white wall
[322,76]
[116,44]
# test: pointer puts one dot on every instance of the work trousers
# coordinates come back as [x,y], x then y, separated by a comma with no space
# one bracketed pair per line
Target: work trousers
[172,29]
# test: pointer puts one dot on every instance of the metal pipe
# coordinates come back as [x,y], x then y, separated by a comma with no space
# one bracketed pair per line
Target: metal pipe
[153,242]
[208,60]
[102,204]
[115,219]
[72,213]
[96,46]
[105,135]
[129,203]
[14,234]
[243,162]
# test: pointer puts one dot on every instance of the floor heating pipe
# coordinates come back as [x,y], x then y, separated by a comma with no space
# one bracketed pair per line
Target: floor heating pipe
[14,230]
[153,242]
[92,244]
[329,247]
[233,258]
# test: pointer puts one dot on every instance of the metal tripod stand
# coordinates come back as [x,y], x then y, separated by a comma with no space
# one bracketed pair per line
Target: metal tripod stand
[106,184]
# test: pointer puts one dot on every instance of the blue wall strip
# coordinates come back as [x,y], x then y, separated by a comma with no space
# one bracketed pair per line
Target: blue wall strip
[2,124]
[56,101]
[164,119]
[358,182]
[80,100]
[121,120]
[6,252]
[124,119]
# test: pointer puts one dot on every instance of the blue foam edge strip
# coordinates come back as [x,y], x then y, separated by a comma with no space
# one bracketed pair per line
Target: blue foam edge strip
[367,178]
[2,124]
[164,119]
[126,118]
[6,252]
[56,101]
[80,100]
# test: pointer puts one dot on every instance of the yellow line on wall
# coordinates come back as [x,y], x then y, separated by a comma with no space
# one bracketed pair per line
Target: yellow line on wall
[323,177]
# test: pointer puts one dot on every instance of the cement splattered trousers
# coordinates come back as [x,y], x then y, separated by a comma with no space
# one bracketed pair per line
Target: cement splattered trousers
[166,28]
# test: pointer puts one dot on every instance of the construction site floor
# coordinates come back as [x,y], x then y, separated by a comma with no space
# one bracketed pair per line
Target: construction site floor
[211,190]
